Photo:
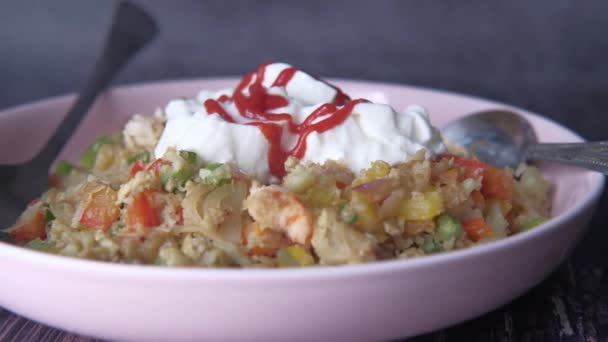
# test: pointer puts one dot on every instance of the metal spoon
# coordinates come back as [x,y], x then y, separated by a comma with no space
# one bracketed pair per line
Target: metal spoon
[504,138]
[131,30]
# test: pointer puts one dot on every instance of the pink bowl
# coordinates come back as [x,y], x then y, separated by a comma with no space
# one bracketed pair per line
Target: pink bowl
[377,301]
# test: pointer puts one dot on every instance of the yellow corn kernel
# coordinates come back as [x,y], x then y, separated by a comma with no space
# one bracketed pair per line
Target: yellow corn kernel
[378,169]
[422,206]
[367,212]
[294,256]
[319,196]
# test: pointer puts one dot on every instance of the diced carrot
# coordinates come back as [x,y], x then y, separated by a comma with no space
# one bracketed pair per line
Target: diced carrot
[448,176]
[156,165]
[477,228]
[340,185]
[497,183]
[473,168]
[101,210]
[180,215]
[273,240]
[141,212]
[263,251]
[32,229]
[137,166]
[54,181]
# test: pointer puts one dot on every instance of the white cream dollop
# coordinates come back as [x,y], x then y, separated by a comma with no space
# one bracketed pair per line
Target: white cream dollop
[372,131]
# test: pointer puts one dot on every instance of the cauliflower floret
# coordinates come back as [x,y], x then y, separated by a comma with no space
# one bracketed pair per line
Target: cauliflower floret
[336,242]
[142,132]
[169,254]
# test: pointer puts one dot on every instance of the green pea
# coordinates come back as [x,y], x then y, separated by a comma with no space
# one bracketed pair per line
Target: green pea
[430,245]
[448,228]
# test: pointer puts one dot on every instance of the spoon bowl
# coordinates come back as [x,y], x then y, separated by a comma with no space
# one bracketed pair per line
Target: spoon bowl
[499,137]
[506,139]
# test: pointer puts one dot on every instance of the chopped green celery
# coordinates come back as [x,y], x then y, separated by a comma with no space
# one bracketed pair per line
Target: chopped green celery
[63,168]
[48,214]
[213,166]
[299,180]
[165,174]
[224,181]
[294,256]
[90,155]
[40,245]
[179,177]
[448,228]
[217,174]
[115,229]
[531,223]
[143,156]
[430,245]
[159,261]
[348,214]
[190,157]
[6,237]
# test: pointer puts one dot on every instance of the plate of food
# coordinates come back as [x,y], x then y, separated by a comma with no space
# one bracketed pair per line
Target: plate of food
[279,205]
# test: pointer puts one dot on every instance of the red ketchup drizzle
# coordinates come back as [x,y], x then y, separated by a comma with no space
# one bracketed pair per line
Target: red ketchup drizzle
[259,102]
[213,106]
[284,77]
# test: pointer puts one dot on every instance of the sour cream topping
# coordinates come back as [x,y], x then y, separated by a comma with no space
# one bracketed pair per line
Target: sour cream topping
[278,111]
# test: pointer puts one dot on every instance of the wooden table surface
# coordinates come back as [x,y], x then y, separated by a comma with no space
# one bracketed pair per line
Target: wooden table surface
[548,56]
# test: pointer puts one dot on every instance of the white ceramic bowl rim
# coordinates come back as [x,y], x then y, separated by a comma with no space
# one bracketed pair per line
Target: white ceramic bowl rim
[289,274]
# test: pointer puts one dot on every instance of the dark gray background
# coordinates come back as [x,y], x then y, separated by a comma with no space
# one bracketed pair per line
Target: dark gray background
[548,56]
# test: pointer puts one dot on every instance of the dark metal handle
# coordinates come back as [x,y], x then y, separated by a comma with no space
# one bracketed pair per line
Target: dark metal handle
[131,30]
[592,155]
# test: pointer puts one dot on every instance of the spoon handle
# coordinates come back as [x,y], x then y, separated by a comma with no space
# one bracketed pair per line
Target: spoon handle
[591,155]
[131,30]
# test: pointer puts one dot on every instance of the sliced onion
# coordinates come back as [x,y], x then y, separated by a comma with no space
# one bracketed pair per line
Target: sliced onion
[382,185]
[228,200]
[379,189]
[391,205]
